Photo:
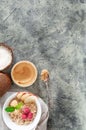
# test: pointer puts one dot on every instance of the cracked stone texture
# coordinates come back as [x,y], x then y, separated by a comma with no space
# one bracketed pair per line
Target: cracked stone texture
[52,35]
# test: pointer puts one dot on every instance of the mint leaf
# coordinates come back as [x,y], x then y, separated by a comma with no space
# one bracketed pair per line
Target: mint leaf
[20,104]
[9,109]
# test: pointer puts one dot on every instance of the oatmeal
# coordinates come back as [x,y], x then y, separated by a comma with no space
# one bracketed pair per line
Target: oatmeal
[22,109]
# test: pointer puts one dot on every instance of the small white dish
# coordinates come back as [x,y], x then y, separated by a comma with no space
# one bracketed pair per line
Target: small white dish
[13,126]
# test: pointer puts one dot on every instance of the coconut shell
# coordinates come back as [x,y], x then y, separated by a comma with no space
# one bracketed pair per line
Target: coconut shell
[5,83]
[11,52]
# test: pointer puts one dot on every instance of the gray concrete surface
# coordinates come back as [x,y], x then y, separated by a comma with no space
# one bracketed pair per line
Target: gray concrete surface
[52,35]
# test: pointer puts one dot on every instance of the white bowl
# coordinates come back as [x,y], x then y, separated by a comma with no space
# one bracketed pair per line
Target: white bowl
[13,126]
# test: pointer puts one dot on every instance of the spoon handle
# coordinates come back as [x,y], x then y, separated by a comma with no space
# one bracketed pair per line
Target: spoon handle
[48,96]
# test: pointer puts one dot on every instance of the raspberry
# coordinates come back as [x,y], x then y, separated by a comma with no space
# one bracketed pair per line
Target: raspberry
[30,115]
[24,116]
[26,110]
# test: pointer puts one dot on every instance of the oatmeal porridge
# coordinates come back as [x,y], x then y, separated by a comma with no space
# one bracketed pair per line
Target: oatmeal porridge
[22,109]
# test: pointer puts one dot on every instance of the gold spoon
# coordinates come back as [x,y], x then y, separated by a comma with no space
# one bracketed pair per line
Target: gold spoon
[45,78]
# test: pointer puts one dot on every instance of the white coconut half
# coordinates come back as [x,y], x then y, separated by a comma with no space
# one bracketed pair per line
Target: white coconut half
[6,56]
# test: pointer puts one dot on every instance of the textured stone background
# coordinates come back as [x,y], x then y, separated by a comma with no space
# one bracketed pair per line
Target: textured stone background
[52,35]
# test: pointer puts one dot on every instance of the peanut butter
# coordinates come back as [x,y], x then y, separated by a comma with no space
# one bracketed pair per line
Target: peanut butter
[23,73]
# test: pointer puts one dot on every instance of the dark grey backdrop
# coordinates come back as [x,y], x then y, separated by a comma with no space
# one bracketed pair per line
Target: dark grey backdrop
[52,35]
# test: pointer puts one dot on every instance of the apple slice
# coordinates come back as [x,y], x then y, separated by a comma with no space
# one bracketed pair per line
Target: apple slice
[20,94]
[23,97]
[29,99]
